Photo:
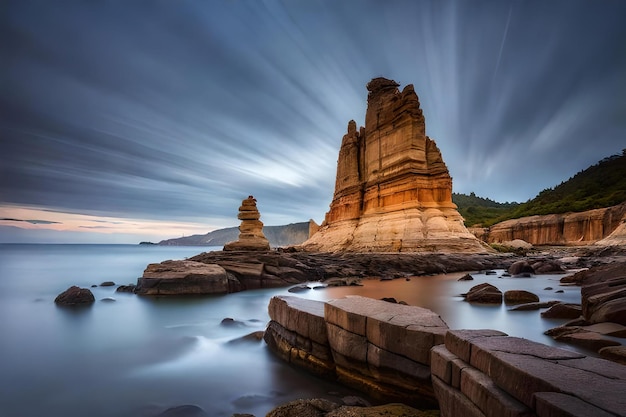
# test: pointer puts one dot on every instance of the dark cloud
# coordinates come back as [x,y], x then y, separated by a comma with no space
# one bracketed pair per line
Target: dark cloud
[178,110]
[29,221]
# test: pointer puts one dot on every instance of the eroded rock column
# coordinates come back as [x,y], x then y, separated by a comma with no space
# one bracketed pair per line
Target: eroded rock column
[251,235]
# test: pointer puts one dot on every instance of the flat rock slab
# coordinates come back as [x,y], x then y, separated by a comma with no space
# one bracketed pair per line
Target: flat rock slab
[305,317]
[509,360]
[408,331]
[185,277]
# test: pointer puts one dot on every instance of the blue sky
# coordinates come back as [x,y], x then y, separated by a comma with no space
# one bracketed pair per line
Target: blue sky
[143,120]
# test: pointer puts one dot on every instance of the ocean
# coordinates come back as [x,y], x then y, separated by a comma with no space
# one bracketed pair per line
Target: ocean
[128,355]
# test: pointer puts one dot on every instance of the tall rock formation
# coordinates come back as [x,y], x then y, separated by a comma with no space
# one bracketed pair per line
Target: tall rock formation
[393,191]
[251,235]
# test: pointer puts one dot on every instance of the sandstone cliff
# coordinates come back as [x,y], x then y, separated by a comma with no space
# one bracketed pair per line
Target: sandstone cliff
[393,191]
[604,226]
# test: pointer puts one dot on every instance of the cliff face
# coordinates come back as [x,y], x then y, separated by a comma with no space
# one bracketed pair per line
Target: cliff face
[582,228]
[393,191]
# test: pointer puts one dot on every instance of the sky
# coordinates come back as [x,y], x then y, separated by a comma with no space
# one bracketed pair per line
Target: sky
[123,121]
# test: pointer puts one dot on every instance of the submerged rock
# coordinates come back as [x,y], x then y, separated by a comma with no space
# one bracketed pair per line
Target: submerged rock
[562,311]
[184,411]
[484,293]
[520,297]
[520,267]
[75,296]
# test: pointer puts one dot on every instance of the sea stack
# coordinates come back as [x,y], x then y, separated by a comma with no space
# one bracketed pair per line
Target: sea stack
[393,192]
[251,235]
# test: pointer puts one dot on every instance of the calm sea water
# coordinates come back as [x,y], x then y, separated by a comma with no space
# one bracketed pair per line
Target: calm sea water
[138,356]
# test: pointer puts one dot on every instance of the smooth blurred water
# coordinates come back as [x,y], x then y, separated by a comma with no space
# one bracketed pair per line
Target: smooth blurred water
[138,356]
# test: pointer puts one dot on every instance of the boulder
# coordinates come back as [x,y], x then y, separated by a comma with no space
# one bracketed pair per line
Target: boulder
[580,337]
[126,288]
[107,284]
[185,277]
[466,277]
[562,311]
[614,353]
[316,407]
[548,266]
[520,267]
[603,293]
[75,296]
[520,297]
[484,293]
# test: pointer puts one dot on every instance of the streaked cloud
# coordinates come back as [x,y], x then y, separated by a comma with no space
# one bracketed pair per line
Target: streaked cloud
[172,112]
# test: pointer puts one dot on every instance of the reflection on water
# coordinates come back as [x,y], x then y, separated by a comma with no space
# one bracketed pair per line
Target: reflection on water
[138,356]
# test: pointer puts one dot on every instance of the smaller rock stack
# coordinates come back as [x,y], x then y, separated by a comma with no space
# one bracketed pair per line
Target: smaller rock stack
[251,235]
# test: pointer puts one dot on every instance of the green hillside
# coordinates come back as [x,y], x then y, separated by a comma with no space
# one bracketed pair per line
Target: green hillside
[601,185]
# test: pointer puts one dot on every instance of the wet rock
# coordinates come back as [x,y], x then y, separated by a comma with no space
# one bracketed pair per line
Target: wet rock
[520,267]
[299,288]
[386,410]
[520,297]
[184,411]
[614,353]
[317,407]
[586,339]
[344,282]
[466,277]
[108,300]
[230,322]
[75,296]
[609,329]
[562,311]
[253,337]
[484,293]
[353,400]
[185,277]
[548,266]
[534,306]
[559,291]
[130,288]
[107,284]
[548,288]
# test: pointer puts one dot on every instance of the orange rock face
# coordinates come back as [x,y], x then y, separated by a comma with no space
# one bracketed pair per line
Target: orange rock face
[582,228]
[251,235]
[393,191]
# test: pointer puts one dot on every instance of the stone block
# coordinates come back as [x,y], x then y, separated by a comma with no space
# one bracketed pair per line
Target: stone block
[347,344]
[348,313]
[554,404]
[452,402]
[458,342]
[548,369]
[489,398]
[394,369]
[306,317]
[441,363]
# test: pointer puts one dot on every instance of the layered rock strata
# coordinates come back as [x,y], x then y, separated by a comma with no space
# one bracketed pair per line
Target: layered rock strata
[378,347]
[485,373]
[606,226]
[393,191]
[402,353]
[251,235]
[186,277]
